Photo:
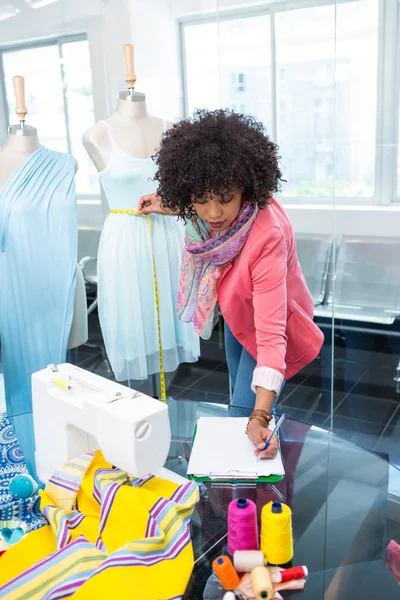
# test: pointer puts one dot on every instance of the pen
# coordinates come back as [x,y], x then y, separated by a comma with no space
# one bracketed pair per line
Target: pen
[274,431]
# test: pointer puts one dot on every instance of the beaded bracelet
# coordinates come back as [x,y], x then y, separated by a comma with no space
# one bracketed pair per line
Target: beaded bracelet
[260,415]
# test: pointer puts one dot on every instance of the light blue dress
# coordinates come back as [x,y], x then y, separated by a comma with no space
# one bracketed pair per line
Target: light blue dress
[126,296]
[38,237]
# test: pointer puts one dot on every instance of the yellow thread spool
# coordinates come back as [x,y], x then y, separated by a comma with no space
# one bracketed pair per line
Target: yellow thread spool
[262,583]
[276,533]
[62,383]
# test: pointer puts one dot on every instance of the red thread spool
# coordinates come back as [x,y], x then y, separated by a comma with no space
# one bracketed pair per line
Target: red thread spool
[226,573]
[291,574]
[242,526]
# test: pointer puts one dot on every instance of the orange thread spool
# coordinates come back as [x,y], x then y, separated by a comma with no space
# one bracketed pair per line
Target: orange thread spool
[226,573]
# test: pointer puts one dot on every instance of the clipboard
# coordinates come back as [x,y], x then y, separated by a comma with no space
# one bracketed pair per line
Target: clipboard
[233,475]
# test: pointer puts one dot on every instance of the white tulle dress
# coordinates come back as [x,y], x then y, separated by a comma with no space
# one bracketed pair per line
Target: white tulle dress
[126,293]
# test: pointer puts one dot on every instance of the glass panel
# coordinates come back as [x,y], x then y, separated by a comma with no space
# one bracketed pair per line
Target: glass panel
[78,85]
[43,87]
[398,150]
[228,64]
[306,100]
[366,295]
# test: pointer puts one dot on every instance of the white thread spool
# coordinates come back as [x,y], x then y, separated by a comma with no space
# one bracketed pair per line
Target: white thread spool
[245,561]
[229,596]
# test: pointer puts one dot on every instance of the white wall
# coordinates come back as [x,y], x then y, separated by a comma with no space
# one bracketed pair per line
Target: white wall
[56,19]
[187,8]
[155,35]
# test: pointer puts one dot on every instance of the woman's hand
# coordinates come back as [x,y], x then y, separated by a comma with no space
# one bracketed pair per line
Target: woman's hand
[258,435]
[150,204]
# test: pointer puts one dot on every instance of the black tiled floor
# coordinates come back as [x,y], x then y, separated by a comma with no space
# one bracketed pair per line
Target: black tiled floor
[309,399]
[395,420]
[378,382]
[201,396]
[362,433]
[188,375]
[217,382]
[375,410]
[315,418]
[389,441]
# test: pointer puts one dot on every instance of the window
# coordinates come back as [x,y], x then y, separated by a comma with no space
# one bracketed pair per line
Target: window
[313,75]
[228,64]
[58,88]
[238,82]
[322,68]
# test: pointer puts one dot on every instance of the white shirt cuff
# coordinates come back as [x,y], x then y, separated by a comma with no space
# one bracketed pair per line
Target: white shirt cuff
[267,378]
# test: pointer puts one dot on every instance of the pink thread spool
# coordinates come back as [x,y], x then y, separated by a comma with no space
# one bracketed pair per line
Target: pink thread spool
[242,526]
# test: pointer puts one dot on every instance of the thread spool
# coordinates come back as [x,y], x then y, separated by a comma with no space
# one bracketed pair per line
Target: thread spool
[291,574]
[229,596]
[262,583]
[62,383]
[245,561]
[276,533]
[242,526]
[226,573]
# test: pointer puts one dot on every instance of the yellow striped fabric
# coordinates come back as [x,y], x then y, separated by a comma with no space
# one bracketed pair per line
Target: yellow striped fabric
[116,537]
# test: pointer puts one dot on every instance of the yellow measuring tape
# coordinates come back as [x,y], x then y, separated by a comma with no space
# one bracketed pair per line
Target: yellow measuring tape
[150,226]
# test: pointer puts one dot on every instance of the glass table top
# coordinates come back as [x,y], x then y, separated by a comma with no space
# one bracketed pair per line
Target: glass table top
[345,509]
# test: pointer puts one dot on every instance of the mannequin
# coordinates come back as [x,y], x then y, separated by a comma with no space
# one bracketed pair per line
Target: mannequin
[21,142]
[136,132]
[39,280]
[121,148]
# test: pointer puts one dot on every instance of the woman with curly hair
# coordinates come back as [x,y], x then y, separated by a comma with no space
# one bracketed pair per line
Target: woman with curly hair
[218,171]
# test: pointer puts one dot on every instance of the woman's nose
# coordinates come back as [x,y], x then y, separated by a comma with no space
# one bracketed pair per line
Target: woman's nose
[215,210]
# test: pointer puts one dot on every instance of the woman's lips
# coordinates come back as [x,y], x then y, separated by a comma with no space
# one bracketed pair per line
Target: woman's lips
[217,225]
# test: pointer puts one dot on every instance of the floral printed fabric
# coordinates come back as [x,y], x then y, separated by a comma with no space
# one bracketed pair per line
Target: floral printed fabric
[203,261]
[12,462]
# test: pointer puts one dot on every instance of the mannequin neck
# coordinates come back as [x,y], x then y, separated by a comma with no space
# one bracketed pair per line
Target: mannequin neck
[131,110]
[22,144]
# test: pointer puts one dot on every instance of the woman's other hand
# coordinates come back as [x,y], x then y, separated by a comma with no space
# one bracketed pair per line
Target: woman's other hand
[150,204]
[258,435]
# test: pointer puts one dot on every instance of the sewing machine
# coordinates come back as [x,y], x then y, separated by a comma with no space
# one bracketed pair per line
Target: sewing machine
[75,411]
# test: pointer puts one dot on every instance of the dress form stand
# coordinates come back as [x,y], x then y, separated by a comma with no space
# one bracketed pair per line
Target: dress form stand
[39,279]
[136,132]
[21,142]
[22,139]
[121,147]
[138,101]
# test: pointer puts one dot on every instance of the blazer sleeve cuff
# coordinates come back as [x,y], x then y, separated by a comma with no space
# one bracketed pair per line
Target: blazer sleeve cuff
[267,378]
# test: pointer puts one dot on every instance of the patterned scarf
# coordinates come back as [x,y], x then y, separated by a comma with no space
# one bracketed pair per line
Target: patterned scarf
[202,265]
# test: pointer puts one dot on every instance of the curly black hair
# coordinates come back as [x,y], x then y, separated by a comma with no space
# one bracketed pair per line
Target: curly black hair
[211,153]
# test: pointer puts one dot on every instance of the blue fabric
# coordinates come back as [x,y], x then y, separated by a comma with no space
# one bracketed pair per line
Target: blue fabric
[12,463]
[241,366]
[38,238]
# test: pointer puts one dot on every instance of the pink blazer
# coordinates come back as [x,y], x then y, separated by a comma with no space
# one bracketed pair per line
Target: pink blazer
[264,298]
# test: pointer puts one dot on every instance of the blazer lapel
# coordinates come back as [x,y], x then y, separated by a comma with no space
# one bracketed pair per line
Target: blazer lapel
[225,272]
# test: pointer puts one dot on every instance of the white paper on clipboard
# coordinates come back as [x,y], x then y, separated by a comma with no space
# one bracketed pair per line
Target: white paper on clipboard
[221,449]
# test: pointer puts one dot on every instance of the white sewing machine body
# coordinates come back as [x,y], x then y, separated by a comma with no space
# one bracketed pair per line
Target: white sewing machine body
[75,411]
